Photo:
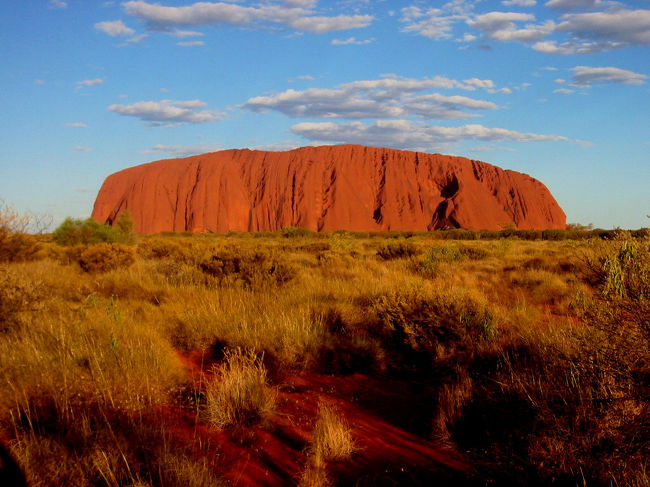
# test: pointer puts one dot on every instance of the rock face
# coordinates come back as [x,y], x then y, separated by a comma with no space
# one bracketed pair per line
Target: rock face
[325,188]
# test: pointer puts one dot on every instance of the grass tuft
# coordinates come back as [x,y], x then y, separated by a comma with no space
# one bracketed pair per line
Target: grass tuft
[239,393]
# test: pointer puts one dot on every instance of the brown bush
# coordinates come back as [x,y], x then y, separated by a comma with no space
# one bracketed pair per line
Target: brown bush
[17,295]
[164,248]
[253,269]
[106,257]
[396,249]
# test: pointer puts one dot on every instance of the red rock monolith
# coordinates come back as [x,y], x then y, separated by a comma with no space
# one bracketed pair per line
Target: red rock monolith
[325,188]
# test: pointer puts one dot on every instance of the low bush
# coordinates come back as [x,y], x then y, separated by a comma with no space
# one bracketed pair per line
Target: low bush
[165,248]
[18,247]
[396,249]
[416,327]
[295,232]
[428,263]
[252,269]
[105,257]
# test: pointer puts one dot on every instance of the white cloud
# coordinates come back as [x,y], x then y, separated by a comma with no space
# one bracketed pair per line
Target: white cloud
[305,77]
[81,148]
[487,148]
[186,33]
[76,125]
[584,33]
[321,25]
[521,3]
[183,150]
[40,82]
[564,91]
[569,47]
[167,112]
[559,81]
[619,26]
[467,38]
[89,82]
[351,40]
[202,13]
[380,98]
[114,28]
[595,32]
[573,4]
[585,76]
[57,4]
[190,43]
[436,23]
[296,14]
[280,146]
[445,107]
[501,26]
[137,39]
[433,24]
[405,134]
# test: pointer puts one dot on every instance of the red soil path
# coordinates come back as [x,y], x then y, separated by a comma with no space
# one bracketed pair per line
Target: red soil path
[274,454]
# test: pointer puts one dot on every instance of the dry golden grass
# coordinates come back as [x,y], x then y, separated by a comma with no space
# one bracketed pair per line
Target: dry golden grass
[331,441]
[541,347]
[332,437]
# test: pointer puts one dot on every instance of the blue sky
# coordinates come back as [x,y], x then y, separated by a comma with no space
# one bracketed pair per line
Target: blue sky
[558,89]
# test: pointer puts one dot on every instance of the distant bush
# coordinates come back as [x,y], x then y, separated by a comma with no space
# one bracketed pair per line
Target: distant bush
[89,231]
[105,257]
[294,232]
[396,249]
[427,265]
[165,248]
[125,228]
[253,269]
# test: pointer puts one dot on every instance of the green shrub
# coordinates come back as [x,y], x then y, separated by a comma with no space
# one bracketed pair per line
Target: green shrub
[396,249]
[83,232]
[89,231]
[125,228]
[106,257]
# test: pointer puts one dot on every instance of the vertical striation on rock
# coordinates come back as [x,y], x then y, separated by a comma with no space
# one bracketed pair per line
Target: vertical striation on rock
[324,189]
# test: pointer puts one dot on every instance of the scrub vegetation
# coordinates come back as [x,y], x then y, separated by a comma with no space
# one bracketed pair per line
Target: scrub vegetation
[533,352]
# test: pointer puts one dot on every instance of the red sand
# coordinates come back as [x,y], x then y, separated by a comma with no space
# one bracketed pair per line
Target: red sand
[325,189]
[275,454]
